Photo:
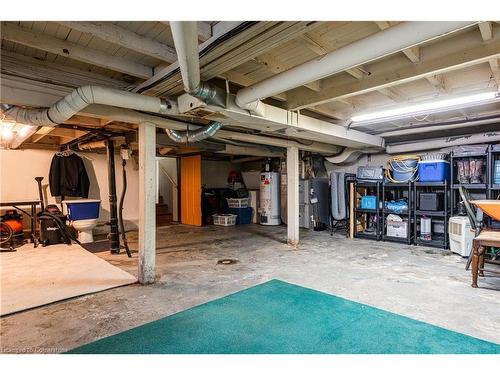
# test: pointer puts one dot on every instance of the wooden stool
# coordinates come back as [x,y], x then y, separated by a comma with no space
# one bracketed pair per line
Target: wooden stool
[487,237]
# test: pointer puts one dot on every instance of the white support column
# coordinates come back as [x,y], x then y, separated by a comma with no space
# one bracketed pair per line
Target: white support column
[292,170]
[147,209]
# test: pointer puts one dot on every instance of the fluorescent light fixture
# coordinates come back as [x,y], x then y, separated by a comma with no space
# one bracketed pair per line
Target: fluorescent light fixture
[427,107]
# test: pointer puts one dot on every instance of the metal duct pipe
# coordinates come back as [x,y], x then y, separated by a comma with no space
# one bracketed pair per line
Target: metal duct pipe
[84,96]
[431,144]
[194,136]
[185,34]
[375,46]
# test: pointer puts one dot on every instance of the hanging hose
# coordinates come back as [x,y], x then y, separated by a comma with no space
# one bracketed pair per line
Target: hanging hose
[120,209]
[402,164]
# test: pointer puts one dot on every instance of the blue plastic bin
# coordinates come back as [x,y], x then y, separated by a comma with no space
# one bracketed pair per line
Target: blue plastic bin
[434,170]
[83,209]
[244,215]
[369,202]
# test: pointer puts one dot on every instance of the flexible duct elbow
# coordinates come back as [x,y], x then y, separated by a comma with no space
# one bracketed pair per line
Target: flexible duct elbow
[194,136]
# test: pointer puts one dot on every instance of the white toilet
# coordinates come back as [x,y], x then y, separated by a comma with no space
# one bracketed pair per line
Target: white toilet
[83,215]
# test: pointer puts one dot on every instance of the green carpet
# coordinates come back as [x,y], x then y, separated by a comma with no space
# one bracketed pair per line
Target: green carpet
[277,317]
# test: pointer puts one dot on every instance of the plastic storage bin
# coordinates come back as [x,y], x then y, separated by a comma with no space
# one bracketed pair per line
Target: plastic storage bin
[369,202]
[83,209]
[244,215]
[237,202]
[434,170]
[225,220]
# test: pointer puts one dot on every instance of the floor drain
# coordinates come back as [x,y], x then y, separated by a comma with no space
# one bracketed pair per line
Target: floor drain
[227,262]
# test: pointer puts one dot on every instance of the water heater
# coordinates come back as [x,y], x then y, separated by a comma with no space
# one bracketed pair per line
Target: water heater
[270,198]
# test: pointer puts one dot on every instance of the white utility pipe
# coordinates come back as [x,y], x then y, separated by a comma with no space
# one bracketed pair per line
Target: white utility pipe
[378,45]
[84,96]
[185,35]
[431,144]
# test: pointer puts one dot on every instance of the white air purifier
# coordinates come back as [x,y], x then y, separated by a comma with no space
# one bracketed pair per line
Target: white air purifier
[461,235]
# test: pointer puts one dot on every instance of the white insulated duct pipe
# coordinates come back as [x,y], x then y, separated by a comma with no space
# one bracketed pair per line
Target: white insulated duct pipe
[185,35]
[84,96]
[378,45]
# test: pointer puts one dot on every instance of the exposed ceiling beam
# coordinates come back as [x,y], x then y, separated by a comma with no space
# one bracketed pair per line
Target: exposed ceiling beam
[413,55]
[257,39]
[124,38]
[486,30]
[495,69]
[244,81]
[438,82]
[52,72]
[300,98]
[392,94]
[204,31]
[73,51]
[357,72]
[274,65]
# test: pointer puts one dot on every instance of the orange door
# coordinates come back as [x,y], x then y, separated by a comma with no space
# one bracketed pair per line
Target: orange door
[191,190]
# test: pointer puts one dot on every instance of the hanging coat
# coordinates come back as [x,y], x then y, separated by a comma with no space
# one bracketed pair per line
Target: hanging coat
[68,177]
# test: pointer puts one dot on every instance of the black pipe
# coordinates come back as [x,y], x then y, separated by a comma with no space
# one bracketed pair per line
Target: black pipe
[114,236]
[40,192]
[120,208]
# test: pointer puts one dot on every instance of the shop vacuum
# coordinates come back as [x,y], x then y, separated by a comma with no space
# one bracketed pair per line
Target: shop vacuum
[53,229]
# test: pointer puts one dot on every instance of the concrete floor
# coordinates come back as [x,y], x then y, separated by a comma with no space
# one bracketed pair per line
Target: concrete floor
[423,283]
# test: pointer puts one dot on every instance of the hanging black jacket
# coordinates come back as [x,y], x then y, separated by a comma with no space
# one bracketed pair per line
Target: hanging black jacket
[68,177]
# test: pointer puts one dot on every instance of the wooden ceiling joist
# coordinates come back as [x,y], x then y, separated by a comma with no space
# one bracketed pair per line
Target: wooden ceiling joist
[51,72]
[124,38]
[300,98]
[74,51]
[486,29]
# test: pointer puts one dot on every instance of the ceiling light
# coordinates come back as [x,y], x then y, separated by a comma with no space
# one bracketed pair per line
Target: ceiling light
[6,133]
[427,107]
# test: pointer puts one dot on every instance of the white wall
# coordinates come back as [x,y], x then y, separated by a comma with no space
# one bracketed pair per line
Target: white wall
[18,169]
